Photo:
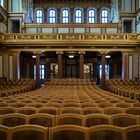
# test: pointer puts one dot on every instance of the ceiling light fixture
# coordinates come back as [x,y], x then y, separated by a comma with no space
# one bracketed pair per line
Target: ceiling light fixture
[71,56]
[107,56]
[33,56]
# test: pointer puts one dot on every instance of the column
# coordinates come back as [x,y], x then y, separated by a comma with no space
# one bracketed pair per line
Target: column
[103,61]
[38,69]
[48,74]
[60,65]
[124,65]
[81,64]
[94,71]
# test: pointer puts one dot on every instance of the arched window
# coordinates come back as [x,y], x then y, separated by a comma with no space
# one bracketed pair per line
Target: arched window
[52,16]
[65,16]
[91,16]
[2,3]
[39,16]
[104,16]
[78,16]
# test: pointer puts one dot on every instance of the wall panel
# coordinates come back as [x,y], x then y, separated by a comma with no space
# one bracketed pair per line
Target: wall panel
[1,66]
[95,30]
[5,66]
[47,30]
[111,30]
[135,65]
[63,30]
[139,66]
[79,30]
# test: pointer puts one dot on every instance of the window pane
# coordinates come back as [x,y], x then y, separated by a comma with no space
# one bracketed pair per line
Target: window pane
[65,16]
[91,16]
[39,16]
[104,16]
[52,16]
[78,16]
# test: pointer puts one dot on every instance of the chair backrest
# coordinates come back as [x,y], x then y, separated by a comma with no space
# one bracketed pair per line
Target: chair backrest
[91,110]
[124,120]
[27,110]
[132,132]
[48,110]
[68,132]
[133,110]
[11,120]
[73,119]
[29,132]
[7,110]
[113,110]
[105,132]
[4,132]
[42,119]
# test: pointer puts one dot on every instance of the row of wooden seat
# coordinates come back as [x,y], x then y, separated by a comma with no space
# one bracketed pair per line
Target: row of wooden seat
[47,120]
[127,87]
[70,132]
[10,87]
[75,110]
[68,81]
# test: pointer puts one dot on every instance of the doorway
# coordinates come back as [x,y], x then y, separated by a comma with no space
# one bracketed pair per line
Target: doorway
[127,24]
[16,26]
[71,67]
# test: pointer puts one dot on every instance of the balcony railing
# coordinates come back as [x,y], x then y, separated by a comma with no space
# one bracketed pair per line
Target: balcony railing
[71,37]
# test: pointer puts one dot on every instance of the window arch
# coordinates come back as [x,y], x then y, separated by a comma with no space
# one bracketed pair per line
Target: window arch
[39,16]
[52,16]
[78,16]
[91,16]
[65,16]
[104,16]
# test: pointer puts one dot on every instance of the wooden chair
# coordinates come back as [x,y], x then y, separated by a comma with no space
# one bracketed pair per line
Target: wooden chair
[42,119]
[4,133]
[27,110]
[113,110]
[74,110]
[15,119]
[48,110]
[88,104]
[132,132]
[73,119]
[124,120]
[29,132]
[71,104]
[123,105]
[133,110]
[96,119]
[7,110]
[17,105]
[68,132]
[91,110]
[105,132]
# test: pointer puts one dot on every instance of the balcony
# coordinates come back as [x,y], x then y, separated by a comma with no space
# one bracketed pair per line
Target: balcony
[71,40]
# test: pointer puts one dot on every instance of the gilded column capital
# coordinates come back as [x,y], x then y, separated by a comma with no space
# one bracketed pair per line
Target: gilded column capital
[81,52]
[60,52]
